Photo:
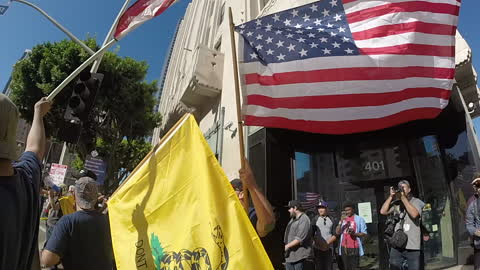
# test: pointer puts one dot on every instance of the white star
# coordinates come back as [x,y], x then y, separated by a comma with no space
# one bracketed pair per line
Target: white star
[269,40]
[294,13]
[299,31]
[317,22]
[325,13]
[259,47]
[306,18]
[321,30]
[332,34]
[268,27]
[349,51]
[270,52]
[289,35]
[301,40]
[298,26]
[281,57]
[249,34]
[278,32]
[341,30]
[313,45]
[303,52]
[345,39]
[326,51]
[329,25]
[253,56]
[314,8]
[279,44]
[287,22]
[276,18]
[311,35]
[324,39]
[291,48]
[309,28]
[242,26]
[336,45]
[259,37]
[258,22]
[241,32]
[338,17]
[333,3]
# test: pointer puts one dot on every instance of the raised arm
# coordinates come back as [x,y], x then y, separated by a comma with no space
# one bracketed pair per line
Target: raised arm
[36,137]
[265,215]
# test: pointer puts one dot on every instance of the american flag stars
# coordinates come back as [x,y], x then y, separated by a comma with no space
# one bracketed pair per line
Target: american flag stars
[316,30]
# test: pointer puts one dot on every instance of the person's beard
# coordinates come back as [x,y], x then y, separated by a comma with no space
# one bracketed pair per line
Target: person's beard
[292,214]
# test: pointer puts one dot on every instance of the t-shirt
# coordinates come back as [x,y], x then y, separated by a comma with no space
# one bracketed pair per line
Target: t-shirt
[20,212]
[412,227]
[348,240]
[298,229]
[83,241]
[325,229]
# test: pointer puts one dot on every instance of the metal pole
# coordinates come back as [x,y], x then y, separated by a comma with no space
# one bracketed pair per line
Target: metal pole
[70,35]
[109,36]
[79,69]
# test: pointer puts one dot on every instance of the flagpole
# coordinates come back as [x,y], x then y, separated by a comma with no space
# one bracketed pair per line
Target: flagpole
[237,98]
[67,80]
[109,36]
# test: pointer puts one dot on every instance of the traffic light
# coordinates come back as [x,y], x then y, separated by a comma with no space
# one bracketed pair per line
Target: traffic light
[83,97]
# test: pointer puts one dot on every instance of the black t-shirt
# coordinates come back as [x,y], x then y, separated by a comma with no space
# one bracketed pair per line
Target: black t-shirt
[83,241]
[20,213]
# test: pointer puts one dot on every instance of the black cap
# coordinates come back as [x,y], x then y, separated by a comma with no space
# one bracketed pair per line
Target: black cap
[294,203]
[237,184]
[87,173]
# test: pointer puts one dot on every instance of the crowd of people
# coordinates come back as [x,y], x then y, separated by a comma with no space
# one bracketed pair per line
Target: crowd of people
[78,231]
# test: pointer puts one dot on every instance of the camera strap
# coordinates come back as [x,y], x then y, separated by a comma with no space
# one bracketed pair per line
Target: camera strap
[402,219]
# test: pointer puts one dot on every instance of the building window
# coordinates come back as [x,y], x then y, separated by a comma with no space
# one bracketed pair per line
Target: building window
[222,14]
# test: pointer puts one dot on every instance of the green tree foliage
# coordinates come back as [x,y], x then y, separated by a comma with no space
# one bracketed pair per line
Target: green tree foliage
[124,111]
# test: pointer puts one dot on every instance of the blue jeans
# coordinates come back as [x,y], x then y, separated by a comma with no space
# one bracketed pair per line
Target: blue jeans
[300,265]
[404,259]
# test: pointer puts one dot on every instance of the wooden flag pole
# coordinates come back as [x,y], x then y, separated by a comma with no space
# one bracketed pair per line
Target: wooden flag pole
[237,97]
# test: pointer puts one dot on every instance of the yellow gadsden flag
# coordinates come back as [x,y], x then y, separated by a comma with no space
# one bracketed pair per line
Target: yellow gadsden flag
[178,211]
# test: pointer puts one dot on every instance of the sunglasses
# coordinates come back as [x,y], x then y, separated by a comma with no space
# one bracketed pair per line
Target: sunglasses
[324,221]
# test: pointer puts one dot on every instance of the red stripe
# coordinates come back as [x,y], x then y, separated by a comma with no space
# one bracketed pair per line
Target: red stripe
[343,101]
[136,9]
[350,74]
[413,6]
[347,1]
[411,49]
[421,27]
[343,127]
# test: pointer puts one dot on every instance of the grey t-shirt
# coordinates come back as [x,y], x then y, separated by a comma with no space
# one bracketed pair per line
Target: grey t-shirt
[325,227]
[298,228]
[412,227]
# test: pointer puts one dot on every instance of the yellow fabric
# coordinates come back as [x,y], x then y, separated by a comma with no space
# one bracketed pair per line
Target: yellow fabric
[67,203]
[179,209]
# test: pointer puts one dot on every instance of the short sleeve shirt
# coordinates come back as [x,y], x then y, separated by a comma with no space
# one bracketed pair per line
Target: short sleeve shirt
[412,227]
[325,228]
[298,229]
[20,203]
[83,241]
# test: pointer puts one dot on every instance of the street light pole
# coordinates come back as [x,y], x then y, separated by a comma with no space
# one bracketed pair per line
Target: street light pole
[63,29]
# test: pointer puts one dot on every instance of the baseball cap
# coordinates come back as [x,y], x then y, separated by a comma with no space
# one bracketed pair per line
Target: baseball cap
[8,128]
[86,193]
[237,184]
[403,182]
[322,204]
[294,203]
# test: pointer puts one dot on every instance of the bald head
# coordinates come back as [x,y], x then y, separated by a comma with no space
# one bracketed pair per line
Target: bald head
[8,128]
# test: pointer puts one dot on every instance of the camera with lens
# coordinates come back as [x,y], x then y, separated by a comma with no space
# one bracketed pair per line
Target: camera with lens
[397,189]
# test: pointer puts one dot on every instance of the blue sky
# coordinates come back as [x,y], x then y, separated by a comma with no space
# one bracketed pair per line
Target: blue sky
[22,28]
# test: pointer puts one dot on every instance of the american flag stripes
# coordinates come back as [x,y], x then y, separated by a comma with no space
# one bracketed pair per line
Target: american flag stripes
[340,67]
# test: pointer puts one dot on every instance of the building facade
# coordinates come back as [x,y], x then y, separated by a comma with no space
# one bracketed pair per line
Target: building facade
[437,156]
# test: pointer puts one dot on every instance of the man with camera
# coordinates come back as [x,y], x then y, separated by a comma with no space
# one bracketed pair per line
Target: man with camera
[405,242]
[472,221]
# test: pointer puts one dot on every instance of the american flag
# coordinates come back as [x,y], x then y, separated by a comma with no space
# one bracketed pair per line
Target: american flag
[340,67]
